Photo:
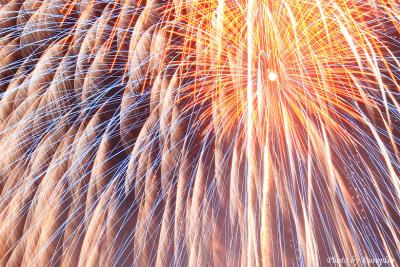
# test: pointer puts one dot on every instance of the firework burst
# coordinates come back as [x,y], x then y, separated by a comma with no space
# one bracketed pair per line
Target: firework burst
[209,132]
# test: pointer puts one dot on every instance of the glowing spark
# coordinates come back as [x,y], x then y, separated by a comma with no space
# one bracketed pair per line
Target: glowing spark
[272,76]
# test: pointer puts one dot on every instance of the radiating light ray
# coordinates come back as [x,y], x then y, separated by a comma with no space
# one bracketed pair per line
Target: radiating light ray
[210,132]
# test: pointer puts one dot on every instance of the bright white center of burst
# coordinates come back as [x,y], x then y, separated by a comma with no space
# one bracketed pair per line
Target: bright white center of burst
[272,76]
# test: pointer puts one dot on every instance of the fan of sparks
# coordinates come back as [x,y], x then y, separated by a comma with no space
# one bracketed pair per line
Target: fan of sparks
[305,96]
[310,89]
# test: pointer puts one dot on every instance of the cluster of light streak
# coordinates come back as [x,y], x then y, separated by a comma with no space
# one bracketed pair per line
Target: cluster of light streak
[312,89]
[305,96]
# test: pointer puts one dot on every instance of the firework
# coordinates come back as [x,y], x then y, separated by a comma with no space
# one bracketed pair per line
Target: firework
[200,133]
